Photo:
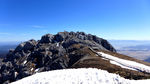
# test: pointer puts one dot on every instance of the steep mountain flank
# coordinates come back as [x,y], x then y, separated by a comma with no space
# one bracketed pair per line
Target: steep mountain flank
[61,51]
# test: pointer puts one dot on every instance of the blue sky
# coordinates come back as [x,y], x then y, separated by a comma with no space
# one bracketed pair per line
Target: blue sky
[22,20]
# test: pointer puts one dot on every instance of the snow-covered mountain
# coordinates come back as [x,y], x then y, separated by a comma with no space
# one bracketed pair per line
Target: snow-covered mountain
[68,50]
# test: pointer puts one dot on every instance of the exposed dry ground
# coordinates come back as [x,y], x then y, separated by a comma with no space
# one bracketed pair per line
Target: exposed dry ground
[93,61]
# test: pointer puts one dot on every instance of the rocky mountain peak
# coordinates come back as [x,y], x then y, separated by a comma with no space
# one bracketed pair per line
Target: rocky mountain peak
[51,52]
[69,38]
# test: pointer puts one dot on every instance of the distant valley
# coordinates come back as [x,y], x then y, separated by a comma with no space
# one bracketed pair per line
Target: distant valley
[137,49]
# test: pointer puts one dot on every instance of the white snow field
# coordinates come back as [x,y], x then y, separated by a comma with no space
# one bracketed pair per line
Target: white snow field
[77,76]
[126,63]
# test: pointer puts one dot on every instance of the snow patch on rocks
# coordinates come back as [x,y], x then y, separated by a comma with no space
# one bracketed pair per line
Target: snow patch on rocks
[126,63]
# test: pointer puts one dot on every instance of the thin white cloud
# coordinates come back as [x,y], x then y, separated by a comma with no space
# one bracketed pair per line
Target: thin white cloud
[2,33]
[4,24]
[24,34]
[38,26]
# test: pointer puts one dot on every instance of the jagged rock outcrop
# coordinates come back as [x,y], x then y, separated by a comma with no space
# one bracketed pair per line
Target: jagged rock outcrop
[52,52]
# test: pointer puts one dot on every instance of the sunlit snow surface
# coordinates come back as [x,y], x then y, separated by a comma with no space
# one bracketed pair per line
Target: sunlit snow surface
[78,76]
[126,63]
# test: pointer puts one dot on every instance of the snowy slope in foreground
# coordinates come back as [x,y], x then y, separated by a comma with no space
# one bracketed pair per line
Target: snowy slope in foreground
[126,63]
[77,76]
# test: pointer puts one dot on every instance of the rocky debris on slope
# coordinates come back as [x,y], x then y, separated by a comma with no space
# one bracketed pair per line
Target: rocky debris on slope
[52,52]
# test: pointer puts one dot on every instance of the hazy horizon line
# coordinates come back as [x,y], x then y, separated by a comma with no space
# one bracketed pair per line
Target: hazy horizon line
[106,39]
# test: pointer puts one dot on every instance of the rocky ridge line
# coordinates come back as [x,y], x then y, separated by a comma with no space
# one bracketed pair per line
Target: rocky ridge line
[52,52]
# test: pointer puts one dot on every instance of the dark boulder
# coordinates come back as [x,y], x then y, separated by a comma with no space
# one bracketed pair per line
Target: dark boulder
[61,36]
[48,38]
[107,45]
[26,46]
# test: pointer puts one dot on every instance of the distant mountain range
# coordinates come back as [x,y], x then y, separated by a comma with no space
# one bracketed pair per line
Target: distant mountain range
[121,44]
[145,47]
[9,43]
[137,49]
[6,46]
